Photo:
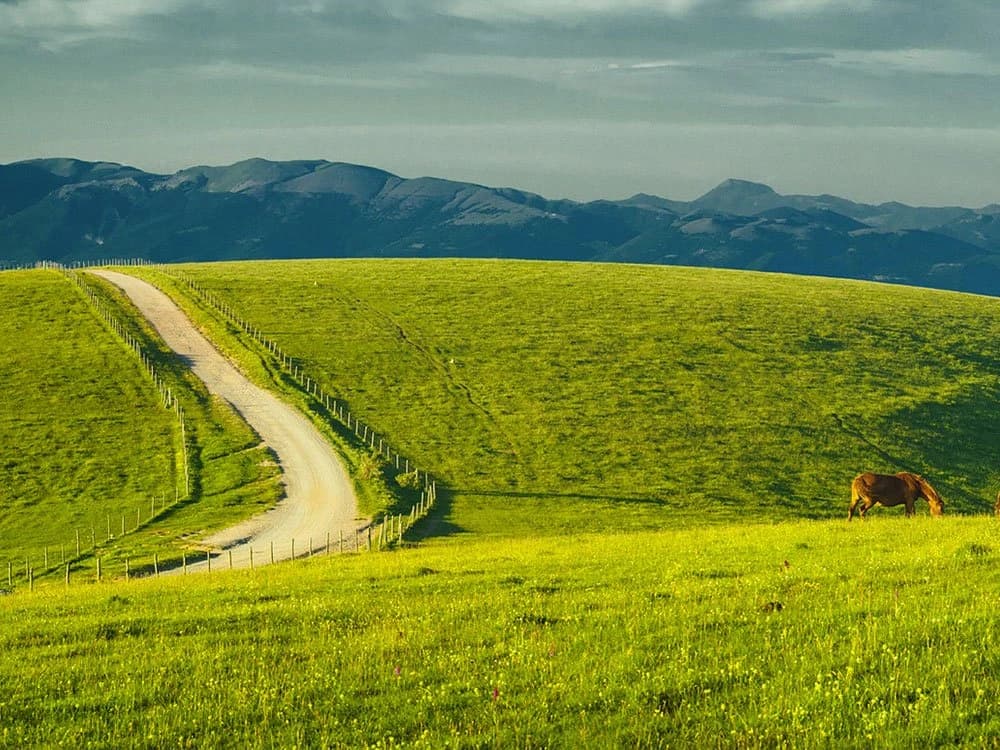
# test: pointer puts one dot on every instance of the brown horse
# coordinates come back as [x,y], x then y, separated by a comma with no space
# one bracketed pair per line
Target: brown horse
[886,490]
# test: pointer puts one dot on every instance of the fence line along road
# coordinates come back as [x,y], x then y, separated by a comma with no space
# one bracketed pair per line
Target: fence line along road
[240,553]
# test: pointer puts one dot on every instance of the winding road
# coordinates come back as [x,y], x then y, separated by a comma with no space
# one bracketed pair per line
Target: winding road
[319,503]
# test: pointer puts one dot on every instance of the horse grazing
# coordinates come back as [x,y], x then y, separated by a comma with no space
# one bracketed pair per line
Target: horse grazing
[886,490]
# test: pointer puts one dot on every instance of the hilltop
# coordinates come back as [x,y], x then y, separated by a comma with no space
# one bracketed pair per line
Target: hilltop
[67,209]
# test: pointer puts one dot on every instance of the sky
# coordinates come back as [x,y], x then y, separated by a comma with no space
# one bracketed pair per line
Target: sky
[873,100]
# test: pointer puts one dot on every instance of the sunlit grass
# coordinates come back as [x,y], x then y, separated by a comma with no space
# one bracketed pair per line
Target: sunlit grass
[802,633]
[82,433]
[582,396]
[89,447]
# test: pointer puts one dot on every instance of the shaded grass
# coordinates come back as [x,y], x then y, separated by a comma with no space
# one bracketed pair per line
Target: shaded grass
[808,634]
[582,395]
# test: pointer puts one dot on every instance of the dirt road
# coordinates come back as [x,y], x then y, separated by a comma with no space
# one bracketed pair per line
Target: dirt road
[320,503]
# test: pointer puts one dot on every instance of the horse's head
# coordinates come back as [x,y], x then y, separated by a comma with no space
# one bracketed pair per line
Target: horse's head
[933,498]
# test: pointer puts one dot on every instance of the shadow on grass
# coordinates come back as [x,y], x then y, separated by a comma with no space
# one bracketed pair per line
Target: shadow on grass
[565,496]
[437,523]
[952,444]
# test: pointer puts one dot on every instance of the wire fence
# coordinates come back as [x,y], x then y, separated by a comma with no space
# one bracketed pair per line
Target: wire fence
[335,410]
[167,396]
[89,566]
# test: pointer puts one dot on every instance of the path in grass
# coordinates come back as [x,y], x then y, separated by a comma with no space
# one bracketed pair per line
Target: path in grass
[320,501]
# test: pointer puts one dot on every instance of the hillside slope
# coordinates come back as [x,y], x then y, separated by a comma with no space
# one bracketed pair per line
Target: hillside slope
[87,445]
[579,395]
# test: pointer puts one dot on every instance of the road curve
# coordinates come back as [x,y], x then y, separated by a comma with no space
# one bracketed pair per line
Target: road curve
[319,503]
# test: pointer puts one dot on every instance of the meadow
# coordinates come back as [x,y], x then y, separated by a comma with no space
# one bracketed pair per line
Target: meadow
[90,452]
[798,634]
[573,396]
[641,536]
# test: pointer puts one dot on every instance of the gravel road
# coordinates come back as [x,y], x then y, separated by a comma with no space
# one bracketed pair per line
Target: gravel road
[319,504]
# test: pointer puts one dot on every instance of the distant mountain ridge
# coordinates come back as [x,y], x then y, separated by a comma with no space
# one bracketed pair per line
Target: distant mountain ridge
[67,209]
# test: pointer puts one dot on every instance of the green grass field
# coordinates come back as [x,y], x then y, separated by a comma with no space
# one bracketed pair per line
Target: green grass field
[642,542]
[87,442]
[581,395]
[799,634]
[83,435]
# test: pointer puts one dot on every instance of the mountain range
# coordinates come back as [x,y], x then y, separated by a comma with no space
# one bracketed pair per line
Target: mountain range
[67,210]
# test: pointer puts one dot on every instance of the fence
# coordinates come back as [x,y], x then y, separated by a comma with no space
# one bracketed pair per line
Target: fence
[86,545]
[388,531]
[166,393]
[74,265]
[372,538]
[333,409]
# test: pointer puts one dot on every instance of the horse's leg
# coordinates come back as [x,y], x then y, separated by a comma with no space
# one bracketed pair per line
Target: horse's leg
[909,507]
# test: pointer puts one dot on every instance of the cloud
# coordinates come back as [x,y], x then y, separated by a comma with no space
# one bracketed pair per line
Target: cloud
[61,22]
[652,65]
[564,9]
[338,76]
[953,62]
[772,8]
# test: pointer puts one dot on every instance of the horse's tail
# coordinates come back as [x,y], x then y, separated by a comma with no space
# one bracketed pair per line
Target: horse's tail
[855,497]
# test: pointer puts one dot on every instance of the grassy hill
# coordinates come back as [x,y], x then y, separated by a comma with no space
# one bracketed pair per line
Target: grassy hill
[581,396]
[83,433]
[87,442]
[660,408]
